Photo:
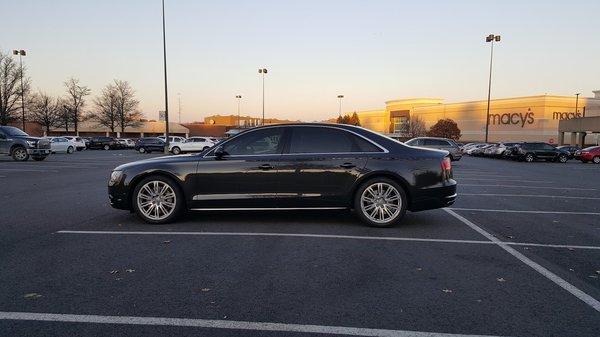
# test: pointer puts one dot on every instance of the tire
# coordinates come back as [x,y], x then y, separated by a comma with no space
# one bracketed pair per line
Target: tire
[563,158]
[529,157]
[19,153]
[106,147]
[147,212]
[596,160]
[142,150]
[176,150]
[70,150]
[370,189]
[39,158]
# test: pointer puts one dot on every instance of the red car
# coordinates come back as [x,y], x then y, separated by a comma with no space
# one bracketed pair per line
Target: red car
[589,154]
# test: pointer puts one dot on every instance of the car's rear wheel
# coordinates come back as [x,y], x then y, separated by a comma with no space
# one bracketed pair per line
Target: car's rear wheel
[157,200]
[380,202]
[106,147]
[142,150]
[563,158]
[529,157]
[70,150]
[596,160]
[20,154]
[176,150]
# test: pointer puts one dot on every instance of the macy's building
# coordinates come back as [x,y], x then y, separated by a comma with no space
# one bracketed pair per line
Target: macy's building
[530,118]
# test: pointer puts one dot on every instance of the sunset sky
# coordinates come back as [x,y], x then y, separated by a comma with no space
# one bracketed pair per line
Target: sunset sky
[370,51]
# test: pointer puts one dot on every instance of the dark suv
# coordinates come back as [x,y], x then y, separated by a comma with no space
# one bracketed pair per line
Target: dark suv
[530,152]
[149,144]
[20,146]
[104,143]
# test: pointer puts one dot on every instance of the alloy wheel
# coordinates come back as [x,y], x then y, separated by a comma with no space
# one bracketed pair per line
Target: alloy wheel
[596,160]
[562,159]
[529,158]
[20,154]
[156,200]
[381,202]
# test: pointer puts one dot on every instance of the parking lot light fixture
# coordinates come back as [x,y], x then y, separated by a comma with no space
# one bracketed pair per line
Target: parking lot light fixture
[21,53]
[577,102]
[490,38]
[263,71]
[166,90]
[239,98]
[340,97]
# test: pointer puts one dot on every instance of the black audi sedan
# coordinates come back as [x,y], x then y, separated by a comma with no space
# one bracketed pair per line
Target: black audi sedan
[290,167]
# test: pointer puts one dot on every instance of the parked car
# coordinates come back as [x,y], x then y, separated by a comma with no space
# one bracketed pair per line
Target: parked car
[104,143]
[78,141]
[490,151]
[503,149]
[61,145]
[20,146]
[572,149]
[591,153]
[531,151]
[478,150]
[194,144]
[149,144]
[291,166]
[126,143]
[86,140]
[471,148]
[438,143]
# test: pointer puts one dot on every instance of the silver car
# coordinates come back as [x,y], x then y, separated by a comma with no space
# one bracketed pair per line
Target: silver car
[438,143]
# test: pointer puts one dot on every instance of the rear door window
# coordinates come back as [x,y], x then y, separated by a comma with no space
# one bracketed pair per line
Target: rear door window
[327,140]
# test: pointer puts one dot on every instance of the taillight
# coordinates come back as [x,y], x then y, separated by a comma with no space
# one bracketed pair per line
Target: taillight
[446,167]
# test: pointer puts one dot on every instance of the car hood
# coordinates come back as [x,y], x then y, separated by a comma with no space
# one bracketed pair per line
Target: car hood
[158,160]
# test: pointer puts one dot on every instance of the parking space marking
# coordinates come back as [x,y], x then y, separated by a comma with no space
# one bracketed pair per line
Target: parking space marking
[518,211]
[24,170]
[527,186]
[511,180]
[326,236]
[589,300]
[220,324]
[528,196]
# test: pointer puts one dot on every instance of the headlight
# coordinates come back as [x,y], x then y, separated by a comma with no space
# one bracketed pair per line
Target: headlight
[115,178]
[31,143]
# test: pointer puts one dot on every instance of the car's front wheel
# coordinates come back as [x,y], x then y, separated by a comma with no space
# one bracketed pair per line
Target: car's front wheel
[157,200]
[106,147]
[20,154]
[529,157]
[176,150]
[142,150]
[563,158]
[380,202]
[70,150]
[596,160]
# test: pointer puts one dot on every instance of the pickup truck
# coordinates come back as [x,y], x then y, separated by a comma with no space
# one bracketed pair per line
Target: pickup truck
[20,146]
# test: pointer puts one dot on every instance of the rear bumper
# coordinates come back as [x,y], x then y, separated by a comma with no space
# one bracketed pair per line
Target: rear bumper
[435,197]
[39,152]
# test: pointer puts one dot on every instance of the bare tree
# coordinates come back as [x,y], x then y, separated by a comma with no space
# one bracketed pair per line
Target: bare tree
[64,115]
[416,127]
[75,101]
[127,113]
[10,88]
[106,107]
[44,110]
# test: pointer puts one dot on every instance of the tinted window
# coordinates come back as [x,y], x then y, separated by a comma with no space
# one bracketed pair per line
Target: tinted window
[327,140]
[266,141]
[413,142]
[436,142]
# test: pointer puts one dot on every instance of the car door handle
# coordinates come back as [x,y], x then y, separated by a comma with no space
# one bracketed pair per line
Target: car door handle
[265,167]
[347,165]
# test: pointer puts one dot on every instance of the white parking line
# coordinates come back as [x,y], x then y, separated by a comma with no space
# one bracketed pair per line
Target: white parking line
[589,300]
[527,186]
[518,211]
[220,324]
[528,196]
[325,236]
[511,180]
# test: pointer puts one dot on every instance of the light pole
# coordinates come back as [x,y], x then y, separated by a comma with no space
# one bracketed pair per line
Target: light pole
[490,38]
[179,103]
[166,91]
[239,98]
[576,103]
[340,97]
[21,53]
[263,71]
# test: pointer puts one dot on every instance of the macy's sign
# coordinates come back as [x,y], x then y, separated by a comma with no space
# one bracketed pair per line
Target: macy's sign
[513,118]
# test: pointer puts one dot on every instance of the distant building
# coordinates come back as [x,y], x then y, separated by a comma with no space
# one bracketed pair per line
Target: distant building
[244,121]
[531,118]
[144,129]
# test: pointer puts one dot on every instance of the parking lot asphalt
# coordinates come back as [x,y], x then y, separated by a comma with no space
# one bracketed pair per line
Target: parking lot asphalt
[517,255]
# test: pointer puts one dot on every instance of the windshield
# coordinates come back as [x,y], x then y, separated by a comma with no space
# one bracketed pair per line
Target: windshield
[12,131]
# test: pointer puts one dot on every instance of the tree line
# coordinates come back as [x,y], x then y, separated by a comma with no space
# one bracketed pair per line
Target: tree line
[115,107]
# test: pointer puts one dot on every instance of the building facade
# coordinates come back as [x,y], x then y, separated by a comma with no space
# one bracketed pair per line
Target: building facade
[531,118]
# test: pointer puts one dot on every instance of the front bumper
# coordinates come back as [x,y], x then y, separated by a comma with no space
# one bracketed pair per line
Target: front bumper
[434,197]
[39,152]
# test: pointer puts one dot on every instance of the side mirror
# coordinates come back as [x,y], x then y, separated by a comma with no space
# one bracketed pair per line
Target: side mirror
[219,152]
